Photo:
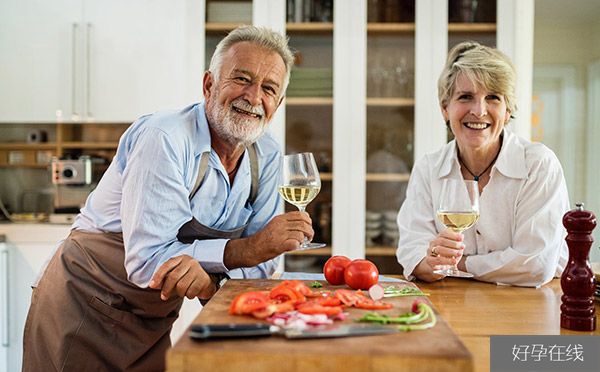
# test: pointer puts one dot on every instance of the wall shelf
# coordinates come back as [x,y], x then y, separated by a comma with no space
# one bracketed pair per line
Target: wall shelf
[472,27]
[390,28]
[390,102]
[309,101]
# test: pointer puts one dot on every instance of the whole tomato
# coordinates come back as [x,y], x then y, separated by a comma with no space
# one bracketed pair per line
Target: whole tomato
[361,274]
[334,269]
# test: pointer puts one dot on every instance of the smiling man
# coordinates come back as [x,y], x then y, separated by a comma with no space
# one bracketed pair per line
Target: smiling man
[190,198]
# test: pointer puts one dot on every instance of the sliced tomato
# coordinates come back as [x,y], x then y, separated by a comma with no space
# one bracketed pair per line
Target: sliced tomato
[283,293]
[328,301]
[315,308]
[299,286]
[369,304]
[348,297]
[273,308]
[248,302]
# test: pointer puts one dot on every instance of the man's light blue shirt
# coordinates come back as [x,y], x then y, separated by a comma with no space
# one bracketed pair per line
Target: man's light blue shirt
[145,194]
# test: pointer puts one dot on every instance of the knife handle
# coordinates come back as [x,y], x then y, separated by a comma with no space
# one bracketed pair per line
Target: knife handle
[204,331]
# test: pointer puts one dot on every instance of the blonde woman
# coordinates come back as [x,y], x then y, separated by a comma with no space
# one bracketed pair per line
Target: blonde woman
[519,238]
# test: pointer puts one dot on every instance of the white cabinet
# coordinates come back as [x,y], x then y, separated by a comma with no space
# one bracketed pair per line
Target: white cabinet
[107,61]
[22,256]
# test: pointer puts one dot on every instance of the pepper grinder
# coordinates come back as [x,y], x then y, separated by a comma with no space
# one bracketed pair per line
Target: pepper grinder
[577,311]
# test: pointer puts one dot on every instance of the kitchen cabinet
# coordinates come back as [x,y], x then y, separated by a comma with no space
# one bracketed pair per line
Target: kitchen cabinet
[23,253]
[102,61]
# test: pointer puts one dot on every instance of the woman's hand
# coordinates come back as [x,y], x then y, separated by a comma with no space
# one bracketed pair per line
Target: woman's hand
[184,276]
[445,250]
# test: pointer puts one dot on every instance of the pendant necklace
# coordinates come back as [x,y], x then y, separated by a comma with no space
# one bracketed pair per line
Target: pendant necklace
[477,176]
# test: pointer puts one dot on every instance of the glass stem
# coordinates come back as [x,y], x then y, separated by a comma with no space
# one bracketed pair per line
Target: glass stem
[302,208]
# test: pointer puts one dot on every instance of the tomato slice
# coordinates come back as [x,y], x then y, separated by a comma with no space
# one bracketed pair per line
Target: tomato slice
[273,308]
[299,286]
[369,304]
[248,302]
[315,308]
[328,301]
[283,293]
[348,297]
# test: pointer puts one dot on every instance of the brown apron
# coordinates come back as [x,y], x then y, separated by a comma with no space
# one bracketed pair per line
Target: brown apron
[86,316]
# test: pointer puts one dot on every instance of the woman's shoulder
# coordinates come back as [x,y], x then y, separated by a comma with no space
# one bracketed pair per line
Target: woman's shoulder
[537,154]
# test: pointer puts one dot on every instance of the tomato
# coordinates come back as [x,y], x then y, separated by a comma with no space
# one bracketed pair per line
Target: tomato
[334,269]
[361,274]
[283,293]
[298,286]
[249,302]
[315,308]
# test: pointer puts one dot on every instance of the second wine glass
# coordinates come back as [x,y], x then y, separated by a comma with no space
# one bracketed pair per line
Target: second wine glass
[458,210]
[300,184]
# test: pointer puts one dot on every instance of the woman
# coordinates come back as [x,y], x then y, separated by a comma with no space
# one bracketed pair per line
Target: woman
[519,238]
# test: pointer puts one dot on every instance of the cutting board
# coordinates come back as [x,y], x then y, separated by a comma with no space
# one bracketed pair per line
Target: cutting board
[435,349]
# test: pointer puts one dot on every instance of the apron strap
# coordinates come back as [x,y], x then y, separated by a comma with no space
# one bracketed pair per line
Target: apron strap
[253,173]
[201,172]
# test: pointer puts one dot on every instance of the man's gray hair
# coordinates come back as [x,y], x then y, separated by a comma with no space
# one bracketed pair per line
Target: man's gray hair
[261,36]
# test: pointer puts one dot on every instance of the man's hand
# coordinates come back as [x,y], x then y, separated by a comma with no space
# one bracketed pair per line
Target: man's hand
[184,276]
[284,233]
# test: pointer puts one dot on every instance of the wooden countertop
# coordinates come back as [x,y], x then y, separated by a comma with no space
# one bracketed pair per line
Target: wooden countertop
[437,348]
[474,311]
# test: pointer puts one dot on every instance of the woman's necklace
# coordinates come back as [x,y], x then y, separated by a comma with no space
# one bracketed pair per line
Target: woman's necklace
[477,176]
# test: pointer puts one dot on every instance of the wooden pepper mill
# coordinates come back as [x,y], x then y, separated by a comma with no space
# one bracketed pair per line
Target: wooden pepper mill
[577,311]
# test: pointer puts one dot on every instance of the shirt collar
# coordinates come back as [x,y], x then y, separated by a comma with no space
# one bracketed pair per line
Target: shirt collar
[202,132]
[510,162]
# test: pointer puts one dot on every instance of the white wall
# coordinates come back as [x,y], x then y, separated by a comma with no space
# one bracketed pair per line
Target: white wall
[564,42]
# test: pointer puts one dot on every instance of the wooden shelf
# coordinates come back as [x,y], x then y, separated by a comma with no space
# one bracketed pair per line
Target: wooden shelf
[388,177]
[326,251]
[472,27]
[326,176]
[309,27]
[28,146]
[25,165]
[390,102]
[90,145]
[218,27]
[309,101]
[390,28]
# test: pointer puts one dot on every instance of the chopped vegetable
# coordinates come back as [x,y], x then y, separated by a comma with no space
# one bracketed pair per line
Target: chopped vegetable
[376,292]
[421,317]
[393,291]
[316,284]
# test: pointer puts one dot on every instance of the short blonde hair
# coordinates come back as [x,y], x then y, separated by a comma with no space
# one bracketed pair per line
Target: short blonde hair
[486,67]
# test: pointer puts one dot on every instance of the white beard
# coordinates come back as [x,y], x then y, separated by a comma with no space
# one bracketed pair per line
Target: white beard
[231,127]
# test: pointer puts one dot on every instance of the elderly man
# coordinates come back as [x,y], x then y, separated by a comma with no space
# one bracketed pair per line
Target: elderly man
[190,197]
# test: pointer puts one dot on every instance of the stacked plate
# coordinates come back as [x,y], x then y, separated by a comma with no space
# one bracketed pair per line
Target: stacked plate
[310,82]
[390,228]
[373,225]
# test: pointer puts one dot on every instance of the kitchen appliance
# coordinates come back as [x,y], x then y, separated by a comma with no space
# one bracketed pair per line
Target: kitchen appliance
[73,181]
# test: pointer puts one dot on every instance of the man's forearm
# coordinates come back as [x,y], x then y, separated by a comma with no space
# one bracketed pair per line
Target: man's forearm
[238,254]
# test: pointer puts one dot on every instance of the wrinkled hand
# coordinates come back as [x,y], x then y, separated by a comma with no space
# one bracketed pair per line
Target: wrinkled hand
[184,276]
[445,250]
[283,233]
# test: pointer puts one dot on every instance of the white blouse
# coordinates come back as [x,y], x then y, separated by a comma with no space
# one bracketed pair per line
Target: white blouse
[519,238]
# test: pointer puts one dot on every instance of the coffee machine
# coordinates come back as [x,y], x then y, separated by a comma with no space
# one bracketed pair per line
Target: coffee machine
[73,181]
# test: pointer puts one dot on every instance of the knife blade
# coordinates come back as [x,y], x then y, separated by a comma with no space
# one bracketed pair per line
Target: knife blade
[206,331]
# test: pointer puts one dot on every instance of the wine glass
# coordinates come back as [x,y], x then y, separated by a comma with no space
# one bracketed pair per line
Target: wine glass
[458,211]
[300,184]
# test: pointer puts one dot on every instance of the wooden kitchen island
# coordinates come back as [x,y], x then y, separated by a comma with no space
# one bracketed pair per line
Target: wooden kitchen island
[473,310]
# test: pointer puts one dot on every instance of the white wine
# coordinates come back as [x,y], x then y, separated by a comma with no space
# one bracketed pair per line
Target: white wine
[458,221]
[299,196]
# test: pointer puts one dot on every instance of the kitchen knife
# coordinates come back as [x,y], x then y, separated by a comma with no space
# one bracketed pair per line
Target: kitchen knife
[204,331]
